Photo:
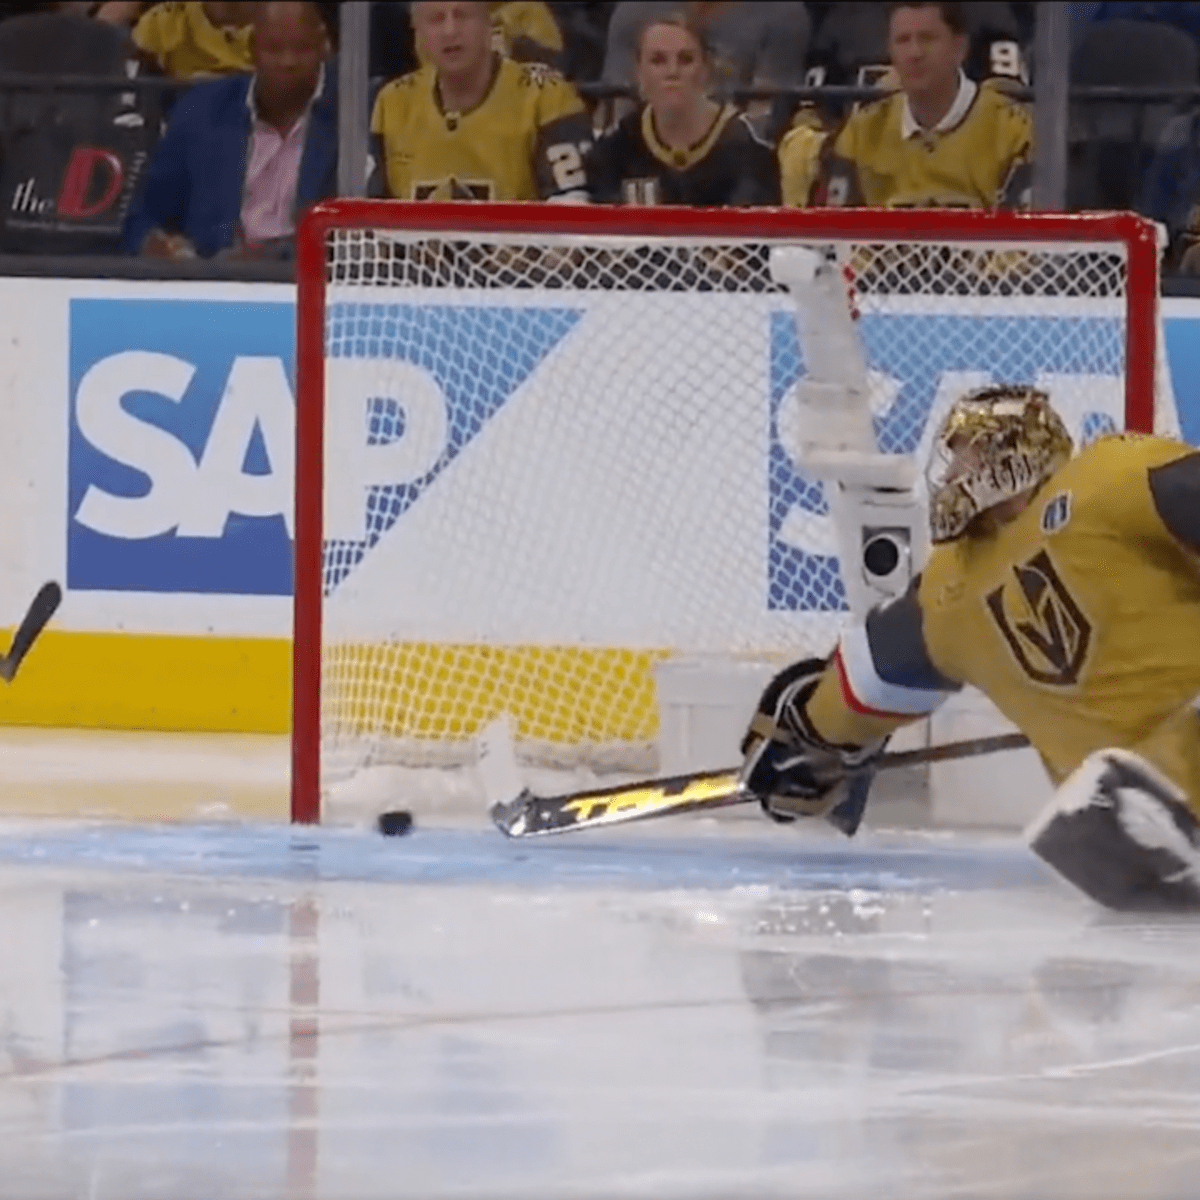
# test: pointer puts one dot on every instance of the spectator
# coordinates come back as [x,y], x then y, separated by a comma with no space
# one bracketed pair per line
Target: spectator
[524,30]
[942,140]
[753,44]
[1172,191]
[681,147]
[852,44]
[473,124]
[243,155]
[800,147]
[800,156]
[192,40]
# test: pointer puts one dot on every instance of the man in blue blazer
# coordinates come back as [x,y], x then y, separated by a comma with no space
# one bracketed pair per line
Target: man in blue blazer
[244,154]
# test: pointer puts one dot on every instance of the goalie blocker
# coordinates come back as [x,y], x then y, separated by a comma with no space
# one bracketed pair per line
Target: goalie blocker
[791,769]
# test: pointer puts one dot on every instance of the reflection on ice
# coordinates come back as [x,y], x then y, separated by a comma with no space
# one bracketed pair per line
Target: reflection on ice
[238,1012]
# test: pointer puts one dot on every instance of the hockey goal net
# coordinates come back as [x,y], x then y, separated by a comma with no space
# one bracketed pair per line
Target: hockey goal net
[544,449]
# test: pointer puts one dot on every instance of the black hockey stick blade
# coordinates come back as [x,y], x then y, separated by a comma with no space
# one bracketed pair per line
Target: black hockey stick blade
[526,814]
[44,606]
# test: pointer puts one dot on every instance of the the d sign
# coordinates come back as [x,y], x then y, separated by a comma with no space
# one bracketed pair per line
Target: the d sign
[79,180]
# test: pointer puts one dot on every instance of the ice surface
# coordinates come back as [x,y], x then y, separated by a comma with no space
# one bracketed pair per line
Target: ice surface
[232,1011]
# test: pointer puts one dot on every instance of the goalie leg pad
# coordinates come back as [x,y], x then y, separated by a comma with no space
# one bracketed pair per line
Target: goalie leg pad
[1123,835]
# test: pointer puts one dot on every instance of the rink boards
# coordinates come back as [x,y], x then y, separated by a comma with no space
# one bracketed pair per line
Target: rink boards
[151,468]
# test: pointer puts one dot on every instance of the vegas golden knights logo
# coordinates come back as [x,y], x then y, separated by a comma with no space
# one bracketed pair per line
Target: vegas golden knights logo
[1050,644]
[453,189]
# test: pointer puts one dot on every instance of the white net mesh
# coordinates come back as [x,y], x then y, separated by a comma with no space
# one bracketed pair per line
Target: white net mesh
[553,462]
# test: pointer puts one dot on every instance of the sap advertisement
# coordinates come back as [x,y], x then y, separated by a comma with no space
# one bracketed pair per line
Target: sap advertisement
[180,445]
[181,452]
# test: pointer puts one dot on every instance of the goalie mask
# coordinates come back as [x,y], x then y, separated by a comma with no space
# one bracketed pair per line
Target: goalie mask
[994,444]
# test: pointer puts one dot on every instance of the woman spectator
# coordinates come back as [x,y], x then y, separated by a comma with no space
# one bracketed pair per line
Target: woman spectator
[681,146]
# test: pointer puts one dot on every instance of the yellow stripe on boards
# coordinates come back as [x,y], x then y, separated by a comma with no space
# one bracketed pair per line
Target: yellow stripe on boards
[140,681]
[557,694]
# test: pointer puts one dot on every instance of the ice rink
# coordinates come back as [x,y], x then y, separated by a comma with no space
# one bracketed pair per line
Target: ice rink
[199,1001]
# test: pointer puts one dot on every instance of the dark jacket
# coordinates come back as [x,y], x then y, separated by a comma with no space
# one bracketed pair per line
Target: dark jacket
[197,173]
[731,166]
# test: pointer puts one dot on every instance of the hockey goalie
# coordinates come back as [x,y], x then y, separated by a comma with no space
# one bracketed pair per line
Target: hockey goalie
[1067,589]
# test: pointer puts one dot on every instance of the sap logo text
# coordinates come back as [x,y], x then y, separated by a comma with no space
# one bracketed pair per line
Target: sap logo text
[195,499]
[181,451]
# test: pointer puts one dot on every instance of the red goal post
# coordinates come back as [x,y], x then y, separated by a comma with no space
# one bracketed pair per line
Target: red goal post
[367,268]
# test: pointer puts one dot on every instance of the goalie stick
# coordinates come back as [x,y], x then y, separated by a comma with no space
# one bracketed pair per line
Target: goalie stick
[526,814]
[43,607]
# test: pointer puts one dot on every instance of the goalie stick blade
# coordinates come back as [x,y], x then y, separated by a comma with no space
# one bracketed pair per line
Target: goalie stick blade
[530,815]
[44,606]
[510,816]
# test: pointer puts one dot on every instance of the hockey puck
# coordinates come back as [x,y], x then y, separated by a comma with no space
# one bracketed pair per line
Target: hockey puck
[395,823]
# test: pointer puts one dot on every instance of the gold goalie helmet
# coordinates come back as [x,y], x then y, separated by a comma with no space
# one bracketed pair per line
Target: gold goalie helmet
[995,443]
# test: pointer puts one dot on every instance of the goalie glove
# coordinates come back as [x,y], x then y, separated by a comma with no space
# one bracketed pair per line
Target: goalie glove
[792,770]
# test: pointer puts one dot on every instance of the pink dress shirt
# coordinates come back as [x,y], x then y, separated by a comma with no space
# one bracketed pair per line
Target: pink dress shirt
[272,172]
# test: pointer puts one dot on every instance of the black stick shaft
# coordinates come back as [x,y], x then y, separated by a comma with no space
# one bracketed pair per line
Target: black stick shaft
[43,607]
[969,748]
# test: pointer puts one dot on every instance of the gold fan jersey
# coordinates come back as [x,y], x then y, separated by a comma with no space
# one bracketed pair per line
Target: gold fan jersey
[978,156]
[799,158]
[525,140]
[1080,620]
[730,165]
[185,43]
[800,147]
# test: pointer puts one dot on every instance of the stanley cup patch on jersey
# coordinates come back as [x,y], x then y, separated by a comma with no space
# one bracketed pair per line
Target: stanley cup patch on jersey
[1042,623]
[1056,513]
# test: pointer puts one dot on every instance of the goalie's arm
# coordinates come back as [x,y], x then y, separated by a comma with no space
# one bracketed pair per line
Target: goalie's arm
[820,725]
[881,676]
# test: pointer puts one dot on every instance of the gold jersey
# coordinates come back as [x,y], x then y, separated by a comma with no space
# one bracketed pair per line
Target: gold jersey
[799,158]
[185,43]
[1080,620]
[526,140]
[980,156]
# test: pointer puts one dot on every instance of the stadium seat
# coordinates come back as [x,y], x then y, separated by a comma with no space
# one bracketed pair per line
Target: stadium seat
[1131,54]
[1111,142]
